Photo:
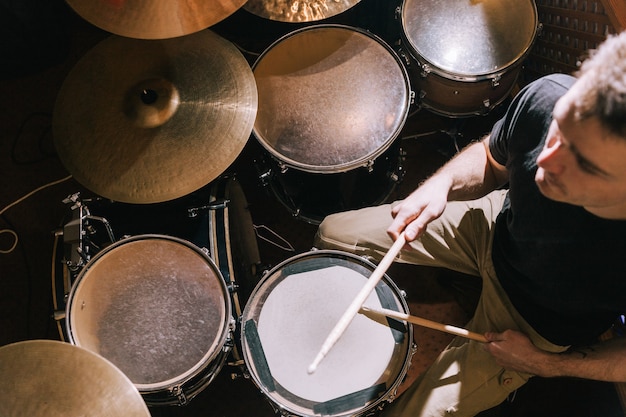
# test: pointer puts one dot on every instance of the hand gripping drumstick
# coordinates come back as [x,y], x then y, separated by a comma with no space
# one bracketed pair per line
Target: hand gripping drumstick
[358,301]
[383,312]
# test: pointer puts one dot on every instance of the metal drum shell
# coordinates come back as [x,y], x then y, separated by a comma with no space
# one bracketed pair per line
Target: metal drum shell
[454,73]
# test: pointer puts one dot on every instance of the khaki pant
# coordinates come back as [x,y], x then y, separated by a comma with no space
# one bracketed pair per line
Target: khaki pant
[464,380]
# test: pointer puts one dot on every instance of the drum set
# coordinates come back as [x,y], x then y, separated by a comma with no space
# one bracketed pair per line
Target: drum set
[151,119]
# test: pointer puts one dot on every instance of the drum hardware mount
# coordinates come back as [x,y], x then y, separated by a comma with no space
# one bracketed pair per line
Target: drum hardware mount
[425,70]
[75,233]
[216,205]
[495,81]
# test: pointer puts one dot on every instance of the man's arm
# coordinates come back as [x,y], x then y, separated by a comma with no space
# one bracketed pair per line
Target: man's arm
[604,361]
[471,174]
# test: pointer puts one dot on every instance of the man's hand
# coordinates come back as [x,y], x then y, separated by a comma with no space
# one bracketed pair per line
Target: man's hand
[424,205]
[514,351]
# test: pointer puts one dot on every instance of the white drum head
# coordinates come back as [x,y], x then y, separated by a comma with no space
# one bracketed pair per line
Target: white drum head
[288,319]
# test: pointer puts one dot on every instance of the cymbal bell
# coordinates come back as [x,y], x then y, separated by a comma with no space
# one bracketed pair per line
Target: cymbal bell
[140,121]
[56,379]
[298,10]
[154,19]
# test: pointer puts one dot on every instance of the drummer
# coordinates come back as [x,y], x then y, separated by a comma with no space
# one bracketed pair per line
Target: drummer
[538,210]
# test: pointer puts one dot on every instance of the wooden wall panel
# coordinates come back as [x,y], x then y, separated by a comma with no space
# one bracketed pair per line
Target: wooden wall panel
[569,29]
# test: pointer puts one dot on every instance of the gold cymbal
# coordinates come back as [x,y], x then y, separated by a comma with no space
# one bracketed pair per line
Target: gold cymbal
[57,379]
[154,19]
[141,121]
[298,10]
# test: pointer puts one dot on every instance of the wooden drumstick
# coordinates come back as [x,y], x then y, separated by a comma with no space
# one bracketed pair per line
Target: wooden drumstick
[358,301]
[459,331]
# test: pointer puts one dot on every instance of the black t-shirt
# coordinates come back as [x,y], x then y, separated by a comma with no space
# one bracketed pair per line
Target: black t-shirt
[563,268]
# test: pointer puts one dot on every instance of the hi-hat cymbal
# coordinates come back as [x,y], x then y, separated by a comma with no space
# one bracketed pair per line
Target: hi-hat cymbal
[154,19]
[57,379]
[141,121]
[298,10]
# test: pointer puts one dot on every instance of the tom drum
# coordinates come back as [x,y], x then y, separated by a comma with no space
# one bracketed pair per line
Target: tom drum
[465,56]
[332,102]
[157,307]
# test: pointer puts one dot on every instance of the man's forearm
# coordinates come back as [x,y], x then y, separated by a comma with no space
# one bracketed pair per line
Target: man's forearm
[605,361]
[470,174]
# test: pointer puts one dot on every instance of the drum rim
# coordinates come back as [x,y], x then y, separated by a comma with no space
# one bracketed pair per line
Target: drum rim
[468,77]
[207,359]
[363,161]
[314,253]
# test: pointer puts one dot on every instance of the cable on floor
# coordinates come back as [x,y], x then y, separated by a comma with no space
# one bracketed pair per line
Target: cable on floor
[19,200]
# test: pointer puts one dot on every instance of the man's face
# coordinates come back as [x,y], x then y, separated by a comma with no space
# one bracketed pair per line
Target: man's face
[582,163]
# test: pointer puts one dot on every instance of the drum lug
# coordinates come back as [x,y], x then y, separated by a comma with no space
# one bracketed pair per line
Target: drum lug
[264,178]
[179,394]
[403,56]
[425,70]
[495,81]
[486,106]
[398,174]
[412,98]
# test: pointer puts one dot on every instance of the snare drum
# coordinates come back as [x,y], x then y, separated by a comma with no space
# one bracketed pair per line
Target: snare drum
[289,316]
[157,307]
[466,55]
[332,99]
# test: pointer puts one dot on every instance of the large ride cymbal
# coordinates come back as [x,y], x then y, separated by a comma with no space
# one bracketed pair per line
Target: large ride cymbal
[298,10]
[140,121]
[57,379]
[154,19]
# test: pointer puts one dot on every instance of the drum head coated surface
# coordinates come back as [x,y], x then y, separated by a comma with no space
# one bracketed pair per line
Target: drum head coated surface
[156,307]
[469,37]
[289,316]
[331,98]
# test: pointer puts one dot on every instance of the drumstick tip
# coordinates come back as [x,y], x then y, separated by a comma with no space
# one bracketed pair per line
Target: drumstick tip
[313,366]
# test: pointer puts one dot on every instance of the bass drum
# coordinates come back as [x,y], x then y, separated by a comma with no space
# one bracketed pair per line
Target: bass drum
[290,314]
[465,56]
[332,99]
[158,308]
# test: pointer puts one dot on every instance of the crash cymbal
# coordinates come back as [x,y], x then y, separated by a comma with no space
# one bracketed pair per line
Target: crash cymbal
[154,19]
[57,379]
[141,121]
[298,10]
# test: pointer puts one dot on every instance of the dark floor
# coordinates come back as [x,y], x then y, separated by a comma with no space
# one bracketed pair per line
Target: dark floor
[42,42]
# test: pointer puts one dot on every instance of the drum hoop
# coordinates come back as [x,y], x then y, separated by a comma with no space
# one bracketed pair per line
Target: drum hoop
[391,390]
[367,159]
[206,359]
[473,77]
